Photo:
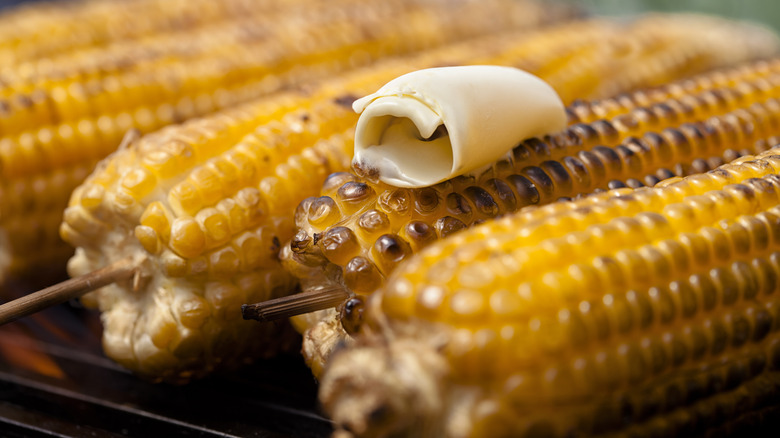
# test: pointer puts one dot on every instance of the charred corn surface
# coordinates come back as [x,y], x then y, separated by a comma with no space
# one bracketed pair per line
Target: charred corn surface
[653,311]
[63,114]
[358,231]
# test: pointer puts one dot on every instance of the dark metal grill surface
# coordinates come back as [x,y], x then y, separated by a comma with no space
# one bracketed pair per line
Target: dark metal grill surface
[54,381]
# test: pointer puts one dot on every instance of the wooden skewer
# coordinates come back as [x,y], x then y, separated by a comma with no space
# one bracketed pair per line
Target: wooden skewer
[297,304]
[75,287]
[67,290]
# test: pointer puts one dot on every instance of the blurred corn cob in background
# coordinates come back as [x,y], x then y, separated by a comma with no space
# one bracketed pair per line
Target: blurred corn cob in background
[204,207]
[351,238]
[633,312]
[59,115]
[44,29]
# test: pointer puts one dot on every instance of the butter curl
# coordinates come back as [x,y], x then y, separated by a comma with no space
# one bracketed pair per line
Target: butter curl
[435,124]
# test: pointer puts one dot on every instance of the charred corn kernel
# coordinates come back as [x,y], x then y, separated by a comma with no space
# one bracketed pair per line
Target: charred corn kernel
[618,338]
[68,111]
[601,155]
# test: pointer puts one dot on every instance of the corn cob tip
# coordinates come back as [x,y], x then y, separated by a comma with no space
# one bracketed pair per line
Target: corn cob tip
[386,390]
[435,124]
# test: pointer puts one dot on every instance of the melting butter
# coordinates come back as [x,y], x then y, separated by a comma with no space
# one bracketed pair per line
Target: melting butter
[435,124]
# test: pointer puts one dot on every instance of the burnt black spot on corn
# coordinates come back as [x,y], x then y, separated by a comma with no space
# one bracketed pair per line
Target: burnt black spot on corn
[631,312]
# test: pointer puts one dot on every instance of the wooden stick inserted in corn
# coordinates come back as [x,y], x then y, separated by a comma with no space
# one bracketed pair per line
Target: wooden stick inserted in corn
[67,290]
[291,305]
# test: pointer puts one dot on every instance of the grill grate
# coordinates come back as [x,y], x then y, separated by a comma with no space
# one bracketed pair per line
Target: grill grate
[54,382]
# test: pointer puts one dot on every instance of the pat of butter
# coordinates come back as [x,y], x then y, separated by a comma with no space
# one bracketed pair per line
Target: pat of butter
[435,124]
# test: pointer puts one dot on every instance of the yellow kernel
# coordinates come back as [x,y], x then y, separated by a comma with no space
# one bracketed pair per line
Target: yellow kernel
[145,120]
[215,224]
[157,217]
[339,245]
[124,203]
[169,159]
[192,311]
[185,199]
[82,222]
[362,276]
[207,184]
[148,238]
[223,262]
[235,217]
[252,251]
[173,265]
[197,266]
[323,212]
[252,205]
[90,140]
[399,298]
[506,303]
[162,329]
[468,304]
[476,276]
[138,182]
[227,174]
[91,196]
[682,217]
[187,239]
[226,300]
[244,165]
[276,194]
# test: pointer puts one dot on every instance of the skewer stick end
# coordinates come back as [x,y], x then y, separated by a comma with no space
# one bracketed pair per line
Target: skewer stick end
[68,290]
[297,304]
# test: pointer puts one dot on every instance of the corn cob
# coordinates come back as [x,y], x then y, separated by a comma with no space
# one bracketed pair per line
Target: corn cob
[58,120]
[358,231]
[204,207]
[641,311]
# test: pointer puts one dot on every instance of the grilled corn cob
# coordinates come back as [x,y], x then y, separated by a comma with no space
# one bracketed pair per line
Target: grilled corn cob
[647,311]
[358,231]
[61,115]
[203,209]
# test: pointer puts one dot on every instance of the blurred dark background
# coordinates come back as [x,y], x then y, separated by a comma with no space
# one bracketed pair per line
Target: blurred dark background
[6,3]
